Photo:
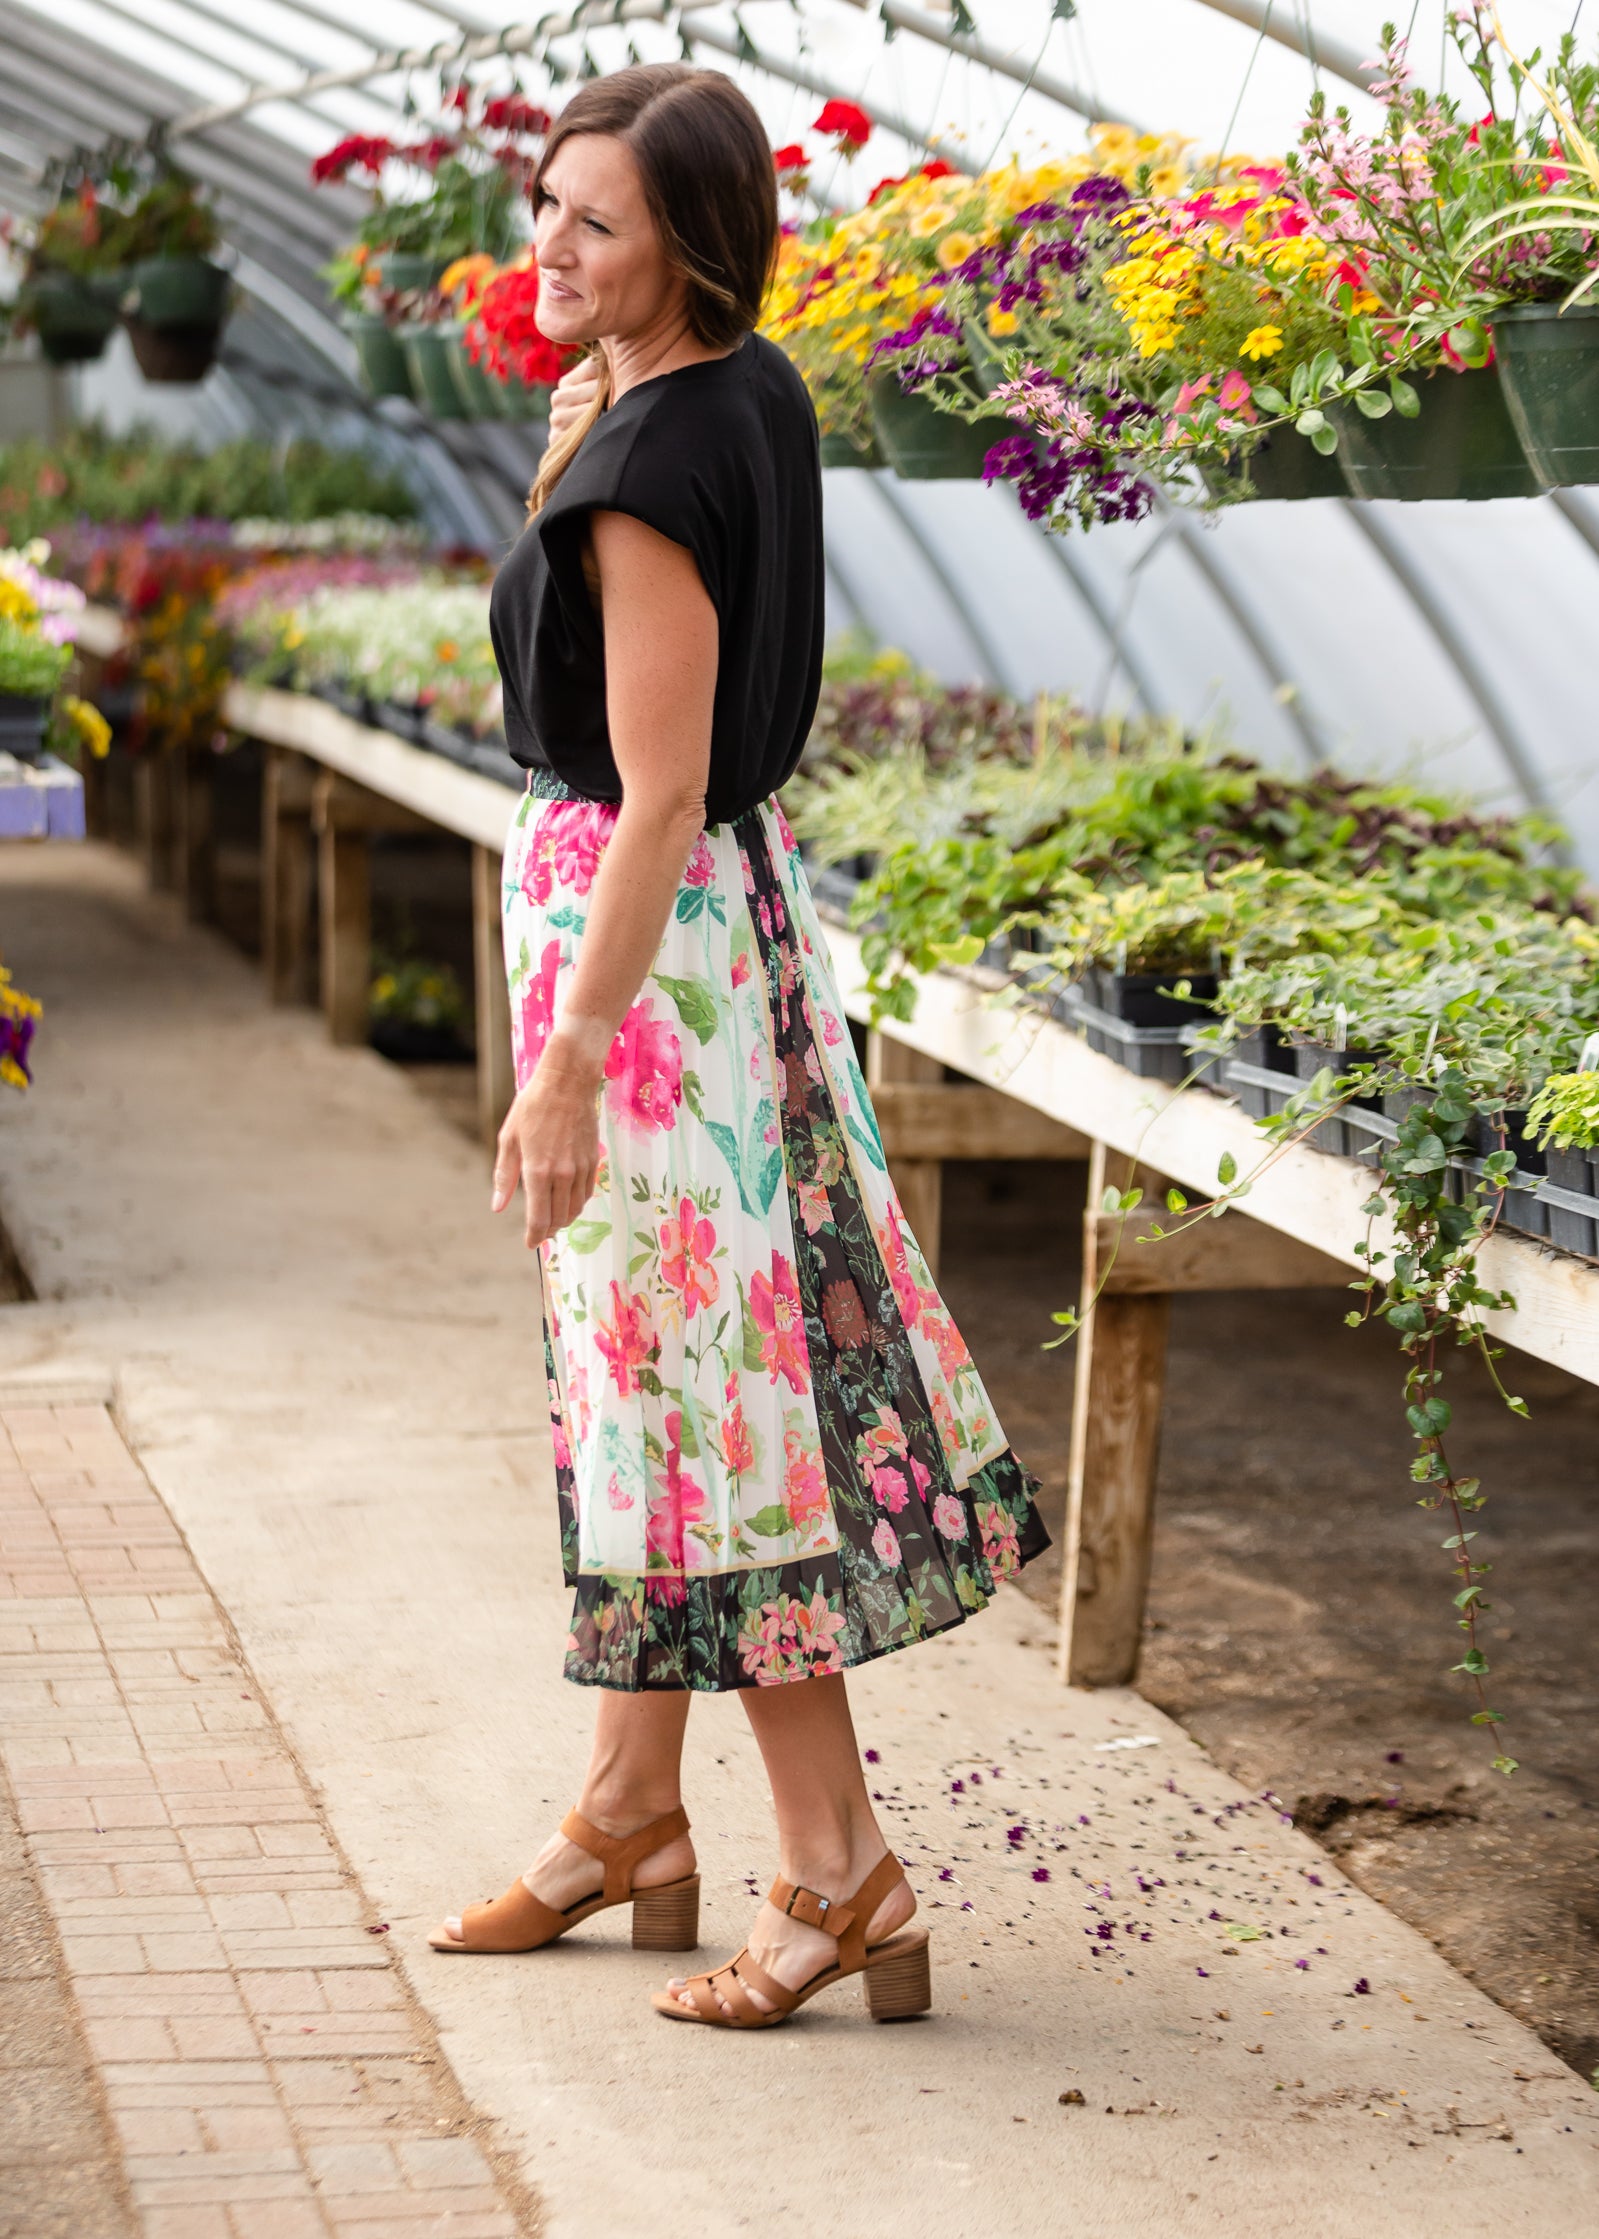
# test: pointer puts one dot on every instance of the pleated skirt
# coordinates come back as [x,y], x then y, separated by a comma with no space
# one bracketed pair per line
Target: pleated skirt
[773,1454]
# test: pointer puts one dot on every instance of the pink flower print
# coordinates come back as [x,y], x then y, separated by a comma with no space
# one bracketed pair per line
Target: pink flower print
[616,1496]
[791,1639]
[832,1032]
[891,1244]
[665,1591]
[538,861]
[953,1358]
[644,1073]
[757,1062]
[887,1434]
[763,917]
[559,1445]
[580,832]
[922,1474]
[537,1014]
[1001,1548]
[816,1209]
[816,1630]
[738,1448]
[741,967]
[680,1502]
[945,1424]
[769,1133]
[749,873]
[776,1311]
[700,870]
[779,915]
[577,1397]
[687,1242]
[785,832]
[626,1339]
[885,1542]
[804,1481]
[949,1517]
[889,1489]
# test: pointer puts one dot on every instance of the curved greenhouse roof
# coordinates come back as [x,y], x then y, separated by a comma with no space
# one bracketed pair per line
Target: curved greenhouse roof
[1374,634]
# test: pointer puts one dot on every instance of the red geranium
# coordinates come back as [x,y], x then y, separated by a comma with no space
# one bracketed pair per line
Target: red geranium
[361,152]
[511,113]
[791,162]
[505,338]
[936,169]
[843,122]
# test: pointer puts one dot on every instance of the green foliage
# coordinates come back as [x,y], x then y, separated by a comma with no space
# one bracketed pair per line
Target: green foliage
[169,219]
[132,478]
[1565,1112]
[407,992]
[466,209]
[29,664]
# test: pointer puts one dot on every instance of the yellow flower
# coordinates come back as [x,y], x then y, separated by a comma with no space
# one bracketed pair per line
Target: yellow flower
[954,249]
[1261,342]
[90,725]
[1001,322]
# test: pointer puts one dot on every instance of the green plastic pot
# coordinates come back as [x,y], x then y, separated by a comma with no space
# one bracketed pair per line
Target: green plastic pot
[1288,466]
[187,292]
[984,355]
[427,354]
[478,391]
[1549,368]
[923,444]
[843,450]
[408,269]
[73,318]
[1462,444]
[523,400]
[384,371]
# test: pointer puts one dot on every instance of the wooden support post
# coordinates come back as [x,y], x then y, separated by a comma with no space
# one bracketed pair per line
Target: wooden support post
[286,876]
[344,816]
[1129,1278]
[496,1079]
[153,792]
[918,1182]
[194,776]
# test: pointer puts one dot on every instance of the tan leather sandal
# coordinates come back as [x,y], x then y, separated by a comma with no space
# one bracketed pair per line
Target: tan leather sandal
[665,1918]
[898,1978]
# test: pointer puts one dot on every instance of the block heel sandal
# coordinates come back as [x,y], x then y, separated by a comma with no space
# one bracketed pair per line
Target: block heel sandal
[898,1975]
[666,1917]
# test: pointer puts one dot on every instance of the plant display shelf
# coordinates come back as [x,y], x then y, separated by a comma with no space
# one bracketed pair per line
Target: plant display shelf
[40,800]
[1303,1221]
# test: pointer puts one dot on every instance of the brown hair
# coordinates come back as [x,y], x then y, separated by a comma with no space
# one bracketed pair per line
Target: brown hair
[706,168]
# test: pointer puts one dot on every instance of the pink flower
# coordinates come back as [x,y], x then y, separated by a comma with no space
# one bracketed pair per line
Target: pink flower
[738,1448]
[891,1244]
[1001,1548]
[804,1481]
[581,831]
[784,833]
[644,1073]
[626,1339]
[616,1496]
[885,1543]
[922,1474]
[741,967]
[816,1630]
[700,869]
[953,1358]
[763,916]
[681,1501]
[532,1023]
[791,1639]
[949,1517]
[832,1032]
[816,1209]
[559,1445]
[944,1421]
[687,1242]
[776,1311]
[889,1489]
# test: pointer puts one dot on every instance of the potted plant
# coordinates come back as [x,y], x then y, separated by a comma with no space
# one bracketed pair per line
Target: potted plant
[1564,1118]
[503,345]
[38,621]
[68,296]
[417,1014]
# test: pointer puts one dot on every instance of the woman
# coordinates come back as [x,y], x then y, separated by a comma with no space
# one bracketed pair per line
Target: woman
[774,1457]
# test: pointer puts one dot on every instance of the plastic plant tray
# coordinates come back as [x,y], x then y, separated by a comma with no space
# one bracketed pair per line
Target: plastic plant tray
[1153,1053]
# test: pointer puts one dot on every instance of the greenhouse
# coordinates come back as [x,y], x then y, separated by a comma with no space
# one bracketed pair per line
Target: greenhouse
[1023,569]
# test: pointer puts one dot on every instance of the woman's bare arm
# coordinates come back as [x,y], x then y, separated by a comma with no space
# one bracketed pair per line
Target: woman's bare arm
[660,684]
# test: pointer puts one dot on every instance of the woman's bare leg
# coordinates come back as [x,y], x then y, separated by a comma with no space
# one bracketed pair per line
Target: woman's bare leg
[634,1776]
[828,1838]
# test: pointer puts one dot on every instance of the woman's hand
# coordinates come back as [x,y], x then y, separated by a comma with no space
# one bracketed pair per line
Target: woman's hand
[572,395]
[551,1138]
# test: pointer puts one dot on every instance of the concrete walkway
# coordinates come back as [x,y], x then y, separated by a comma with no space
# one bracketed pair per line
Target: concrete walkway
[324,1354]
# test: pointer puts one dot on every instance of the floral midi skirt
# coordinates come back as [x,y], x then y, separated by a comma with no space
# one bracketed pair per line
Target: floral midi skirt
[773,1453]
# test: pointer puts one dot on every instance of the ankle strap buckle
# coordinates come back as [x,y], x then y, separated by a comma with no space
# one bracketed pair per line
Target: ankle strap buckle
[813,1911]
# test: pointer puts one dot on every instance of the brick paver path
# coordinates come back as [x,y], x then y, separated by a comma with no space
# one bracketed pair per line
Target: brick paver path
[267,2071]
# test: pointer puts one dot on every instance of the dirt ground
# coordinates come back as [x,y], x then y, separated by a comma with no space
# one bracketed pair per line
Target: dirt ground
[1300,1622]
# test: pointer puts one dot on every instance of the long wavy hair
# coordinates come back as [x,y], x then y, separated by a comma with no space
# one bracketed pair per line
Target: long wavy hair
[706,168]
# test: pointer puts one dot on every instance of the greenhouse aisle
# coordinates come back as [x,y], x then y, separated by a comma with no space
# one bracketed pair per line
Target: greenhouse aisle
[322,1351]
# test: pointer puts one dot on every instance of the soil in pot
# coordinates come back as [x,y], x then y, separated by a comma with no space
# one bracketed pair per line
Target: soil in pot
[1549,369]
[1462,444]
[923,444]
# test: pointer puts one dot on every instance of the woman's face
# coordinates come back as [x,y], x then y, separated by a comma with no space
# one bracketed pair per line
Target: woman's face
[602,270]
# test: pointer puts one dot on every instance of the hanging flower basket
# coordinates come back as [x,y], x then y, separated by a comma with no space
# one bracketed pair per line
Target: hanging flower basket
[1463,444]
[74,318]
[1288,466]
[23,717]
[174,310]
[384,371]
[405,271]
[923,444]
[427,355]
[842,450]
[1549,366]
[482,397]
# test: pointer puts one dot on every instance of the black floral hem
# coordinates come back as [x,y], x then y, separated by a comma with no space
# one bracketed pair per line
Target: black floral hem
[721,1631]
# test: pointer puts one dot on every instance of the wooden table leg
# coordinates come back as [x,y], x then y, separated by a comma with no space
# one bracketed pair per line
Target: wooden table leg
[919,1182]
[194,774]
[344,816]
[496,1080]
[153,790]
[1115,1450]
[286,876]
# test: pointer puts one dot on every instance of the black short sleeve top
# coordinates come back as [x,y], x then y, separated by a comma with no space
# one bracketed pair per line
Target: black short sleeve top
[720,457]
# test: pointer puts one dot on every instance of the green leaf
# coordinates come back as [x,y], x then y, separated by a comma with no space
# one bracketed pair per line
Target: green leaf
[1406,401]
[1505,1765]
[964,951]
[1176,1202]
[754,1358]
[695,1002]
[1325,440]
[1226,1169]
[1311,422]
[1271,400]
[1373,403]
[1474,1664]
[771,1523]
[587,1236]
